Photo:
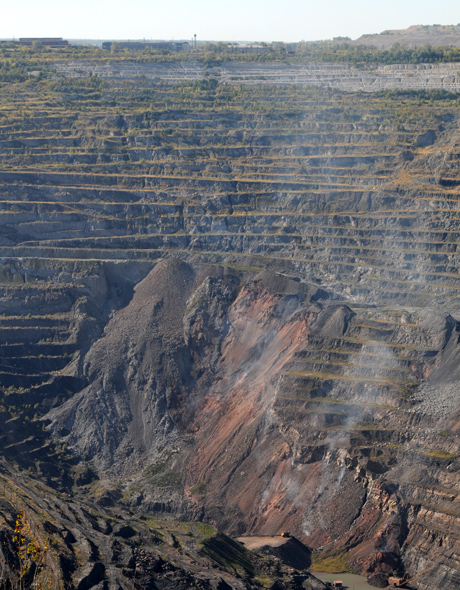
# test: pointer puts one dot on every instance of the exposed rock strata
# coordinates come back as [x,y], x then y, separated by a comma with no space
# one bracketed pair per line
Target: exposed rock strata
[260,443]
[414,36]
[344,77]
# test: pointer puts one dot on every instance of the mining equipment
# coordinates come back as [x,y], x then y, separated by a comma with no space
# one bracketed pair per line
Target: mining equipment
[401,581]
[286,534]
[337,584]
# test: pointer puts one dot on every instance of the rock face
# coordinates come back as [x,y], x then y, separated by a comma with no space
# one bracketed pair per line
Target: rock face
[202,376]
[234,305]
[415,36]
[192,343]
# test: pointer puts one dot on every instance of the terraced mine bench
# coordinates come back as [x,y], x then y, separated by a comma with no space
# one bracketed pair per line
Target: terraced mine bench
[349,200]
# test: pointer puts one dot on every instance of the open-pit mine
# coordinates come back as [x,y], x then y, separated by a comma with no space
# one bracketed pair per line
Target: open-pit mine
[229,308]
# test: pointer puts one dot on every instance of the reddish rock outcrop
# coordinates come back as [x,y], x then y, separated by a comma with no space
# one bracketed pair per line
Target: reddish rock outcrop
[263,405]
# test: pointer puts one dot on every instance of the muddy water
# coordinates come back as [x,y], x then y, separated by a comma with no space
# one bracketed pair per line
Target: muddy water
[350,581]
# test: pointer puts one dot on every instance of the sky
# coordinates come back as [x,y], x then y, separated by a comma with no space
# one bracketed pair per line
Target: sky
[237,20]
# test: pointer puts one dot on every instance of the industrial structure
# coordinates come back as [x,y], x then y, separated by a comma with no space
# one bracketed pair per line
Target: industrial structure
[396,581]
[53,42]
[168,45]
[248,48]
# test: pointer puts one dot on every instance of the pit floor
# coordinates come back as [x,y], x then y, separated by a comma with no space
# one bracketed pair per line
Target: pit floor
[254,543]
[350,581]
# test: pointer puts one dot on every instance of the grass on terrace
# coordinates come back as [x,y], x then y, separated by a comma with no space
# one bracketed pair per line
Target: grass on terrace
[440,454]
[334,563]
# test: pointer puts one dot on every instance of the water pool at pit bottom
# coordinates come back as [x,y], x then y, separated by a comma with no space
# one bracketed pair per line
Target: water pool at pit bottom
[350,581]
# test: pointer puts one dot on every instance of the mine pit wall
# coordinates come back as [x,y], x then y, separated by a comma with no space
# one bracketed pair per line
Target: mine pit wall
[326,378]
[340,76]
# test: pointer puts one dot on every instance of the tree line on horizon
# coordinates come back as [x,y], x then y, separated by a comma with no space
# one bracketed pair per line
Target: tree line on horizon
[16,62]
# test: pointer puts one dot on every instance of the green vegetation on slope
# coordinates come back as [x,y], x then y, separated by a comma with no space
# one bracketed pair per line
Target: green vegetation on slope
[210,54]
